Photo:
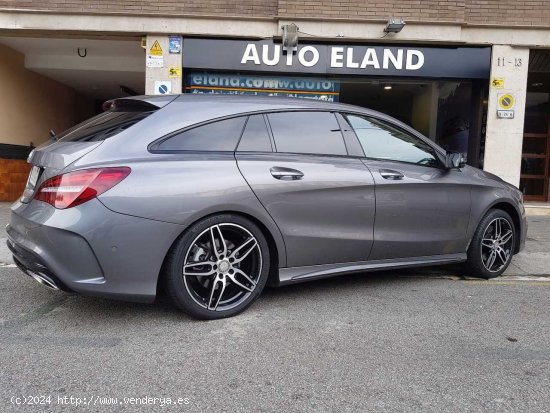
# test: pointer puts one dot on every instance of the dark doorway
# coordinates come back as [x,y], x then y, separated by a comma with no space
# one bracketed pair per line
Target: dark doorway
[535,161]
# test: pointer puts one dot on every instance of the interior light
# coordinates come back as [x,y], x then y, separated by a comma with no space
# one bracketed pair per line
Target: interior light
[388,87]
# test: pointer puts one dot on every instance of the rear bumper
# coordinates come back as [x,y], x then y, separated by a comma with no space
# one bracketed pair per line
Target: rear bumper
[32,265]
[90,249]
[523,232]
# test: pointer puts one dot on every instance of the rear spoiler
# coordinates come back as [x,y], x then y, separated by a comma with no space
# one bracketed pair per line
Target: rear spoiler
[140,103]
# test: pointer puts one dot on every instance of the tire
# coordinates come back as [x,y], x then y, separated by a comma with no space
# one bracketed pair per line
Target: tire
[222,281]
[487,258]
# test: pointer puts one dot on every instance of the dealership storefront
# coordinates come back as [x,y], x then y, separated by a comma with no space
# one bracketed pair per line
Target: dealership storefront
[440,91]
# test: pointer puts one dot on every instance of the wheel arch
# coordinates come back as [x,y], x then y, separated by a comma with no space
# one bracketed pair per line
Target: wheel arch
[276,250]
[511,210]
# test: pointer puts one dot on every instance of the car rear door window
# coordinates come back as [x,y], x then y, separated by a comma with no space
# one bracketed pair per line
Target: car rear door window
[307,132]
[255,136]
[222,135]
[383,141]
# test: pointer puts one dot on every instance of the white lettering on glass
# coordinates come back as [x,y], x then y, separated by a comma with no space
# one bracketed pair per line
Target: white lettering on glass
[419,62]
[370,59]
[397,62]
[337,57]
[251,53]
[276,55]
[314,56]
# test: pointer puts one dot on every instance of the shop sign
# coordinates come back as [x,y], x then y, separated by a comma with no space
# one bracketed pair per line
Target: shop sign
[155,50]
[505,114]
[154,61]
[163,87]
[174,44]
[233,84]
[506,103]
[268,56]
[174,72]
[155,57]
[497,83]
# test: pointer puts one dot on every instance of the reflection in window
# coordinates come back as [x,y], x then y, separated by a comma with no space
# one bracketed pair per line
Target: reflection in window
[216,136]
[307,132]
[102,126]
[453,120]
[382,141]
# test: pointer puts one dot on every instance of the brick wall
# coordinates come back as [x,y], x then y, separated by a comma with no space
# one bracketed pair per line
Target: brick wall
[424,10]
[202,7]
[13,177]
[512,12]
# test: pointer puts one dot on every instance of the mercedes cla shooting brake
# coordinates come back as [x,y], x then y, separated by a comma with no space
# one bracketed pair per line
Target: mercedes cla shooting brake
[213,197]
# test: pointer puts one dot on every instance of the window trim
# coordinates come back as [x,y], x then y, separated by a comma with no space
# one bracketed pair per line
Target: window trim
[265,112]
[332,111]
[267,128]
[435,152]
[153,146]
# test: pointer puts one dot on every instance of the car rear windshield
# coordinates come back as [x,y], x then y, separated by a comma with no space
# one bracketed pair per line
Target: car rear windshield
[103,126]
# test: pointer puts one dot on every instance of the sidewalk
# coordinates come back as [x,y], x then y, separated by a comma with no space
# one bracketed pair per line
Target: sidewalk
[5,255]
[534,260]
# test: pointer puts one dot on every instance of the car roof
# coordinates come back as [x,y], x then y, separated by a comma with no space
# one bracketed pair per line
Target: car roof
[187,109]
[269,102]
[242,103]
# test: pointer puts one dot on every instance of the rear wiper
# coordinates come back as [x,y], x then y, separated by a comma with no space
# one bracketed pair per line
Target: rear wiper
[52,135]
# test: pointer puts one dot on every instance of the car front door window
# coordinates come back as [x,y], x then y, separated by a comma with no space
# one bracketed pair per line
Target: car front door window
[383,141]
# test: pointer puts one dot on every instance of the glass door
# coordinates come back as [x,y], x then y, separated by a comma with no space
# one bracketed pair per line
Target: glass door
[535,158]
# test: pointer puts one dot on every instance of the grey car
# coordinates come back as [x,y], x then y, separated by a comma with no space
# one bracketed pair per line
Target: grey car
[212,197]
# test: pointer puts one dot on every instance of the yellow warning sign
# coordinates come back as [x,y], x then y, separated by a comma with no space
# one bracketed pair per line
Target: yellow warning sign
[174,71]
[506,101]
[155,49]
[497,83]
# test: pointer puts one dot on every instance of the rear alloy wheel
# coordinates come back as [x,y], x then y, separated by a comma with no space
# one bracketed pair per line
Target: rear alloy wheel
[492,246]
[218,268]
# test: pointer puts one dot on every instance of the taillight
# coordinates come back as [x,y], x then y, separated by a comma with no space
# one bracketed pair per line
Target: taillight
[75,188]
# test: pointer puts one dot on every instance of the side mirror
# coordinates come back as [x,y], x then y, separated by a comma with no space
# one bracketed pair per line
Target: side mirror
[455,160]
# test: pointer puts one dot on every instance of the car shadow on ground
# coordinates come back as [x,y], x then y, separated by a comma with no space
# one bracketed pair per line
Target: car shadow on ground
[163,309]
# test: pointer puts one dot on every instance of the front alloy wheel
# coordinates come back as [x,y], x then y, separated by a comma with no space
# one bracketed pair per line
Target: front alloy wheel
[218,268]
[492,245]
[497,244]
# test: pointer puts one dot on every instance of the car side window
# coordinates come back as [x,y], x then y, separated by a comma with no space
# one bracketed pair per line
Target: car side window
[255,136]
[380,140]
[307,132]
[222,135]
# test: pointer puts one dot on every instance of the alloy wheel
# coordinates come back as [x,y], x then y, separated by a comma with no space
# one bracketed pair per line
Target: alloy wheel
[497,244]
[222,266]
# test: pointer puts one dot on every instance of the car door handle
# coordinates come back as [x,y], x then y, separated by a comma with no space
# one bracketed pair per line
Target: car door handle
[390,174]
[286,174]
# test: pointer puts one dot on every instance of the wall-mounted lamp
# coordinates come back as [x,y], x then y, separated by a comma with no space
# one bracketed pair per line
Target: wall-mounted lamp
[387,87]
[290,37]
[394,25]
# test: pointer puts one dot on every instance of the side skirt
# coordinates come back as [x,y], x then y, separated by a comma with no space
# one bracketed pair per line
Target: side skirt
[294,275]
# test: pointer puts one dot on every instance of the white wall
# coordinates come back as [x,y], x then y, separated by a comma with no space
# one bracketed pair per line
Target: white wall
[504,138]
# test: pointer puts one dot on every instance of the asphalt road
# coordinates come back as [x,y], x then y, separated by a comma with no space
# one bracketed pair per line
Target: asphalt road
[384,342]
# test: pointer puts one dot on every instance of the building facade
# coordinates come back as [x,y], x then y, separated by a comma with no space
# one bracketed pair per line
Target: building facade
[472,75]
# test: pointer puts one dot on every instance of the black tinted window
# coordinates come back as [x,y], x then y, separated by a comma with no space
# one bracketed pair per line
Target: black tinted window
[255,136]
[307,132]
[383,141]
[216,136]
[103,126]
